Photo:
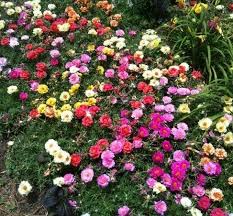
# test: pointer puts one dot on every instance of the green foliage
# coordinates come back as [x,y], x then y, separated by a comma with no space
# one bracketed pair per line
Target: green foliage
[199,37]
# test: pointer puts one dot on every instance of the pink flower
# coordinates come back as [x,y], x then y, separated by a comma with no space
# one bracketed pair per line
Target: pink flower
[74,79]
[198,190]
[166,179]
[123,211]
[166,100]
[116,146]
[69,179]
[129,167]
[158,157]
[120,33]
[182,126]
[170,108]
[109,73]
[178,133]
[160,207]
[87,175]
[85,58]
[54,53]
[150,182]
[143,132]
[103,180]
[137,142]
[137,114]
[108,163]
[163,81]
[178,155]
[83,69]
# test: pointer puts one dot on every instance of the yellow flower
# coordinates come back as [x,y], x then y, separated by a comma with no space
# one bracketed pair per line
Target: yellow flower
[77,105]
[41,108]
[64,96]
[227,100]
[66,107]
[42,89]
[65,75]
[91,47]
[228,139]
[108,51]
[91,101]
[184,108]
[90,87]
[51,101]
[199,7]
[221,127]
[74,89]
[57,113]
[100,70]
[71,52]
[154,44]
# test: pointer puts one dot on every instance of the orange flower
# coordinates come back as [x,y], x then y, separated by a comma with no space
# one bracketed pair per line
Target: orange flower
[208,149]
[220,153]
[49,112]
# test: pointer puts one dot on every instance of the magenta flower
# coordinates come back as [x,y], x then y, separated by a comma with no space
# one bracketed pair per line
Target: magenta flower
[129,167]
[69,179]
[85,58]
[116,146]
[23,96]
[198,190]
[150,182]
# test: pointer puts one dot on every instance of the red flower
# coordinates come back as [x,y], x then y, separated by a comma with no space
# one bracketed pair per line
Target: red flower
[39,50]
[141,86]
[5,41]
[41,74]
[218,212]
[83,22]
[148,100]
[39,22]
[95,151]
[75,159]
[25,75]
[103,143]
[196,75]
[230,6]
[12,26]
[107,87]
[41,66]
[135,104]
[125,130]
[204,203]
[73,26]
[87,121]
[105,121]
[48,17]
[32,55]
[29,47]
[182,69]
[80,112]
[93,110]
[128,147]
[34,114]
[147,89]
[173,71]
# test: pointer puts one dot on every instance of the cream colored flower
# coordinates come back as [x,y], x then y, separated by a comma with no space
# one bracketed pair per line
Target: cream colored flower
[12,89]
[230,180]
[62,157]
[205,123]
[208,149]
[228,139]
[221,127]
[65,96]
[24,188]
[158,188]
[216,194]
[220,153]
[51,146]
[67,116]
[63,27]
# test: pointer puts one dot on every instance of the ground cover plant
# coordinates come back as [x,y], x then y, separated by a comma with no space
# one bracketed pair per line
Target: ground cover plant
[101,116]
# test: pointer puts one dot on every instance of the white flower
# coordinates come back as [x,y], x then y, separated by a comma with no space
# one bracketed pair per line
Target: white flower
[37,31]
[90,93]
[10,143]
[10,11]
[186,202]
[86,214]
[157,73]
[18,9]
[67,116]
[51,6]
[133,67]
[73,69]
[59,181]
[51,146]
[231,15]
[12,89]
[9,4]
[195,212]
[165,49]
[92,32]
[120,45]
[24,37]
[148,74]
[219,7]
[154,82]
[205,123]
[65,96]
[24,188]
